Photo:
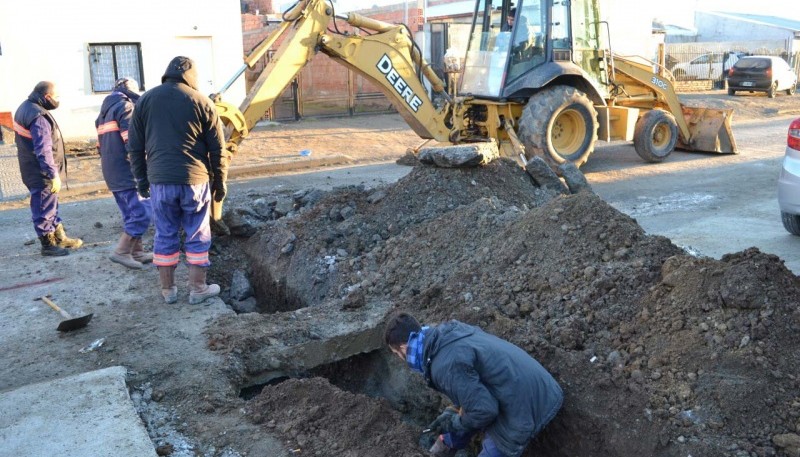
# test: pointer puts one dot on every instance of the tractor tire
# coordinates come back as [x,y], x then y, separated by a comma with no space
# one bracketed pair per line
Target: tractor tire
[559,124]
[655,135]
[791,222]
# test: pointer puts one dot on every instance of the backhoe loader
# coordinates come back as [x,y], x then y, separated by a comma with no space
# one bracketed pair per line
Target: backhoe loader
[546,86]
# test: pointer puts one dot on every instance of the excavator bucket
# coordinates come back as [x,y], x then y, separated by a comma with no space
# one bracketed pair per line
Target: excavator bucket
[709,130]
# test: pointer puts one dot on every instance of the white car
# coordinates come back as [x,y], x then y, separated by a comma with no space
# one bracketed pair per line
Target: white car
[707,66]
[789,181]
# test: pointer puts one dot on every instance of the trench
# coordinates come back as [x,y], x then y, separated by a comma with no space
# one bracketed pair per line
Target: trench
[375,375]
[354,361]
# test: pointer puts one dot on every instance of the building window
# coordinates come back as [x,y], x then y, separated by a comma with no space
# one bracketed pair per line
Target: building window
[111,61]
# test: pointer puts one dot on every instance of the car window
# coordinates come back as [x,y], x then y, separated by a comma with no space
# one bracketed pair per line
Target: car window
[701,59]
[716,58]
[752,64]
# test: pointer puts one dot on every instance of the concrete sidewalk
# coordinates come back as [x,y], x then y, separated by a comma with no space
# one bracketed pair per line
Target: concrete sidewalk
[90,414]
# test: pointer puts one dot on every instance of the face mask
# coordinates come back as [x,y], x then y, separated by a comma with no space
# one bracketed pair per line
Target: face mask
[50,103]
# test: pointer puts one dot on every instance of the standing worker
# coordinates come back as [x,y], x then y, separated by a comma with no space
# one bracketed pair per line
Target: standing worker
[40,150]
[112,135]
[496,387]
[175,141]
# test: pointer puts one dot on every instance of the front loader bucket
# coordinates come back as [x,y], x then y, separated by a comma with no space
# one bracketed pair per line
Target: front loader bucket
[709,130]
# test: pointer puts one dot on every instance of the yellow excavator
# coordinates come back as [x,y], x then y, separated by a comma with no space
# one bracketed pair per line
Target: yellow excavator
[536,80]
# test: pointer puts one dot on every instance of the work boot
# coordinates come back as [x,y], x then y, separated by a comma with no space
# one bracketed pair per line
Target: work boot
[50,247]
[169,290]
[198,289]
[122,253]
[64,241]
[439,449]
[138,254]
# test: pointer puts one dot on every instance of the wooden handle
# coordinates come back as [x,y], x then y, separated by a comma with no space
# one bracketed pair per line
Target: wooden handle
[55,307]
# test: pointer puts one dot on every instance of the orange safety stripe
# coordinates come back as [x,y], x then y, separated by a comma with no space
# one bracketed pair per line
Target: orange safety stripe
[197,258]
[110,126]
[124,135]
[22,131]
[166,260]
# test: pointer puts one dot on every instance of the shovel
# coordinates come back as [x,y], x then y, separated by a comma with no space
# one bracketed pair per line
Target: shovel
[71,323]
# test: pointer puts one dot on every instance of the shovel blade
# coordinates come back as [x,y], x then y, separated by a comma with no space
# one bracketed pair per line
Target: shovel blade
[75,323]
[709,130]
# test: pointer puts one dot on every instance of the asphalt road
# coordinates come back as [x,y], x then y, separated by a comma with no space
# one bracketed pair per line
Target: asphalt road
[712,204]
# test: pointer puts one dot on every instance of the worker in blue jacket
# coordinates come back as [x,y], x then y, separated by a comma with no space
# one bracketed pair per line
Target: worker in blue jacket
[40,151]
[495,386]
[112,136]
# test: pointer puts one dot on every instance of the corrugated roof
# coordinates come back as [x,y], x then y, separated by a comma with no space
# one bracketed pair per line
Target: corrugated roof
[783,23]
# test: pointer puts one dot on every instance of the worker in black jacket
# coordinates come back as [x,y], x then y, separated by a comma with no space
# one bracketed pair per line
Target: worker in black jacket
[40,150]
[175,141]
[112,134]
[495,386]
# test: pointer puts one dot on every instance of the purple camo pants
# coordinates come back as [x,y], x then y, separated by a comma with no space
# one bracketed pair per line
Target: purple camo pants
[184,206]
[44,211]
[137,215]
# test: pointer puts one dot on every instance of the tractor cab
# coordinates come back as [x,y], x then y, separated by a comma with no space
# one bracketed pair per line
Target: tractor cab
[518,47]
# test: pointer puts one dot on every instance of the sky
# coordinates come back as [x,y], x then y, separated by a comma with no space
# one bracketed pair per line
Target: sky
[678,12]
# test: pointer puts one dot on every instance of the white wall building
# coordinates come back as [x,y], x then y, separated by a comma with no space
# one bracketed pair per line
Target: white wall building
[84,45]
[717,26]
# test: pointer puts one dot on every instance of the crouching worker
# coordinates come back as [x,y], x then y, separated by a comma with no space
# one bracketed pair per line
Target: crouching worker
[496,387]
[112,136]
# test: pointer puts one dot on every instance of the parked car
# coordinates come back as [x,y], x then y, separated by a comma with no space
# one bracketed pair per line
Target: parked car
[763,74]
[706,66]
[789,181]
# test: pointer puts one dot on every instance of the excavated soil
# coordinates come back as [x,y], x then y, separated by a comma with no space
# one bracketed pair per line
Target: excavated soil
[659,353]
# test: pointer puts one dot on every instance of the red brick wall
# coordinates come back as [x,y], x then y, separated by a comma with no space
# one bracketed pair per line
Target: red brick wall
[323,77]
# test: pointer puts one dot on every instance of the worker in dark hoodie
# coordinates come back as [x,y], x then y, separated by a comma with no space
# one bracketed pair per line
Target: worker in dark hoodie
[112,134]
[495,386]
[175,142]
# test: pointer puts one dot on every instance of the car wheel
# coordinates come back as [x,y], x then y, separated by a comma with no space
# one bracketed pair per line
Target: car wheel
[790,90]
[791,222]
[679,73]
[773,90]
[731,92]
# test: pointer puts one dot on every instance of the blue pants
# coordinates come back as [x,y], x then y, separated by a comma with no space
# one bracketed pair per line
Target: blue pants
[177,206]
[44,211]
[489,449]
[136,212]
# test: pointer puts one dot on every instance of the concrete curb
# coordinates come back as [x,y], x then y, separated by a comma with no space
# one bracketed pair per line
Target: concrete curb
[234,172]
[85,414]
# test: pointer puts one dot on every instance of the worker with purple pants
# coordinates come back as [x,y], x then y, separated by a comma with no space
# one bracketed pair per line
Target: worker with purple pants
[112,135]
[40,151]
[175,142]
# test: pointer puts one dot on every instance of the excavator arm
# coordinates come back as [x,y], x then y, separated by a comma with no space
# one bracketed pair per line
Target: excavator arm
[388,57]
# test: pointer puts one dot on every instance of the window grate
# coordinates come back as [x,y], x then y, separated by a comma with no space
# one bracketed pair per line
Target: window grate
[111,61]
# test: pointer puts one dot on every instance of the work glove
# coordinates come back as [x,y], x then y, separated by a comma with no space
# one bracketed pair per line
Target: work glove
[447,422]
[55,184]
[219,188]
[143,187]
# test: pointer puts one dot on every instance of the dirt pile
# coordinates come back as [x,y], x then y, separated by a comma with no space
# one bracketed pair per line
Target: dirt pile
[659,353]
